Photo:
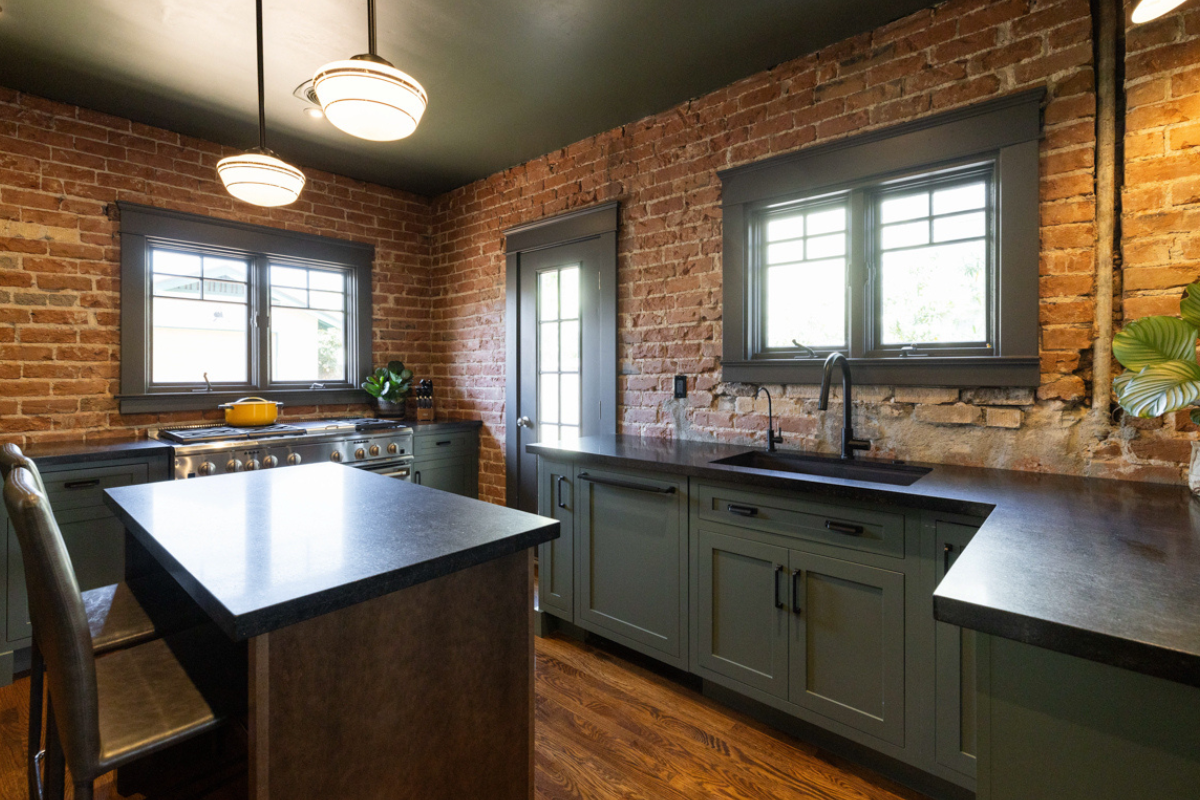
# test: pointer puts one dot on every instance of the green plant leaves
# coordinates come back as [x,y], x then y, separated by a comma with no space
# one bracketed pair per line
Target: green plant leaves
[391,383]
[1189,306]
[1159,388]
[1154,340]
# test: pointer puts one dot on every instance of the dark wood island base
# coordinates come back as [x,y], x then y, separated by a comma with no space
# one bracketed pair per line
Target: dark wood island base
[425,692]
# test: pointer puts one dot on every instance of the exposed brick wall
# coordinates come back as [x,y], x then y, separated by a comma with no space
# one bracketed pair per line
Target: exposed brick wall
[663,170]
[61,168]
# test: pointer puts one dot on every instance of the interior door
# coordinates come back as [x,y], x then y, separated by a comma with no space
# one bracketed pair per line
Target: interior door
[564,371]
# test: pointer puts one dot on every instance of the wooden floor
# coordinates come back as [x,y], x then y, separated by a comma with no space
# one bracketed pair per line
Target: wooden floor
[606,728]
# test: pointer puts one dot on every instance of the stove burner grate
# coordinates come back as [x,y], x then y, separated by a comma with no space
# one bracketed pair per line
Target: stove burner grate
[224,433]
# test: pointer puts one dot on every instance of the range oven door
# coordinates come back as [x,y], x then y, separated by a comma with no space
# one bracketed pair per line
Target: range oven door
[401,469]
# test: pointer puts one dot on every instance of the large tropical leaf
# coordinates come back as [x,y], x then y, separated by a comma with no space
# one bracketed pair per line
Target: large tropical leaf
[1189,306]
[1154,340]
[1161,388]
[1122,380]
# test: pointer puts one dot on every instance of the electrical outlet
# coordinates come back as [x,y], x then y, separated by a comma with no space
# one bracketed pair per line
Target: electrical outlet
[680,387]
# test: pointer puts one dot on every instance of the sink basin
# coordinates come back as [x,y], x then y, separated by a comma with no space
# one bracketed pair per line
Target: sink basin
[896,474]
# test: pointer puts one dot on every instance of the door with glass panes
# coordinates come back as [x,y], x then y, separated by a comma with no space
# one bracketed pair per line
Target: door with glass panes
[567,349]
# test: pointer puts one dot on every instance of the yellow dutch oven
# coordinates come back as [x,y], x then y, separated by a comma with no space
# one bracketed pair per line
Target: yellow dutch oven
[250,411]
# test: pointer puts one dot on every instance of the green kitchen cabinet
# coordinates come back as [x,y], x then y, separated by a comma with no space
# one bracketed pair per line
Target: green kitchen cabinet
[821,633]
[556,559]
[631,562]
[94,537]
[447,460]
[956,715]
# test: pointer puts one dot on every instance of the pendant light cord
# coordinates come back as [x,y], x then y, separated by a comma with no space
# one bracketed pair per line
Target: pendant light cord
[371,27]
[262,108]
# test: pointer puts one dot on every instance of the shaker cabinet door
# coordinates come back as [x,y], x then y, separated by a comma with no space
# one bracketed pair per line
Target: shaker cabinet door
[955,720]
[556,560]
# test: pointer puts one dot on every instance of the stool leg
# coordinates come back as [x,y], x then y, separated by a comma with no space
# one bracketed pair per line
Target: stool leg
[36,695]
[83,790]
[54,782]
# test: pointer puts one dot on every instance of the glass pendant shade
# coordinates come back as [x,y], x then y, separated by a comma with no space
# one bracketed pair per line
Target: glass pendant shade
[260,179]
[369,98]
[1152,9]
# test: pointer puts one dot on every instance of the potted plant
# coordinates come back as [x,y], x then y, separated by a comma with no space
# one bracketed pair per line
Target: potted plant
[389,386]
[1161,372]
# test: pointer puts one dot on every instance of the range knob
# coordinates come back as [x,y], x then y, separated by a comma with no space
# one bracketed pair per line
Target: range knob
[269,462]
[233,466]
[294,459]
[360,453]
[374,450]
[252,464]
[335,456]
[393,448]
[207,468]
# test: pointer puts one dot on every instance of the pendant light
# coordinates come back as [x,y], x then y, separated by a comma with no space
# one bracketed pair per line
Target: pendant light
[258,176]
[1153,9]
[367,97]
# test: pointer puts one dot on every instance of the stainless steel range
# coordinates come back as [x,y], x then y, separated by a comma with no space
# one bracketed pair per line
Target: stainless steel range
[377,445]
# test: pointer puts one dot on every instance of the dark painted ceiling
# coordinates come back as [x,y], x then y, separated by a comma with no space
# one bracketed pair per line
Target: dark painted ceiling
[508,80]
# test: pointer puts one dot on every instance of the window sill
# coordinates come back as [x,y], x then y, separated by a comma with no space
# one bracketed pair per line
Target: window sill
[204,401]
[955,372]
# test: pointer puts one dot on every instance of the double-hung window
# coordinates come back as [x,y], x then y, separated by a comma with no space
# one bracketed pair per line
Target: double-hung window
[213,310]
[912,250]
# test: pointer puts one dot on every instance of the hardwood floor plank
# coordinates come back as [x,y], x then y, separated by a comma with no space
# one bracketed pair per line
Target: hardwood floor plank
[605,729]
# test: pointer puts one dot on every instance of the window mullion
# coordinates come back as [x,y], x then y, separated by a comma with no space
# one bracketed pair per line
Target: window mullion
[261,340]
[858,277]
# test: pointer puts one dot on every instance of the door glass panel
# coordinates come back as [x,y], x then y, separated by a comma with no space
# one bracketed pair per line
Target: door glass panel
[558,349]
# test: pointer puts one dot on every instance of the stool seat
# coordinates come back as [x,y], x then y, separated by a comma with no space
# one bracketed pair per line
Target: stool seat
[132,612]
[167,690]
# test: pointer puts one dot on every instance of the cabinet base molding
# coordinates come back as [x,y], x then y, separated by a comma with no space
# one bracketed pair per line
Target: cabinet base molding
[908,775]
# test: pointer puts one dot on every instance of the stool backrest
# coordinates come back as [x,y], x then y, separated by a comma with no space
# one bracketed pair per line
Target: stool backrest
[59,620]
[11,457]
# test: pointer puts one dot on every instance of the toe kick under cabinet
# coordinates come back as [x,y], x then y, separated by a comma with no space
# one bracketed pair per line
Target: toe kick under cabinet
[818,608]
[95,538]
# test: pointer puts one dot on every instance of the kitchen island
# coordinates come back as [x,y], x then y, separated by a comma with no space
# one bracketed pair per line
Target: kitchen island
[389,626]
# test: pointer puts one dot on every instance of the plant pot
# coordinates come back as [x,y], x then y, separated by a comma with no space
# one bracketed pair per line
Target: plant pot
[386,408]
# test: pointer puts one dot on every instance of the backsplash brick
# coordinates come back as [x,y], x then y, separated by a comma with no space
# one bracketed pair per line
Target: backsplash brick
[663,171]
[61,170]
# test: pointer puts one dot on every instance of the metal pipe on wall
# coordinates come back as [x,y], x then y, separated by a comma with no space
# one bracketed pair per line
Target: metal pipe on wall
[1108,47]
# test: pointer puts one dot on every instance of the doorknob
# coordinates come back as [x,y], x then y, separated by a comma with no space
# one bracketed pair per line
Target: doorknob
[524,422]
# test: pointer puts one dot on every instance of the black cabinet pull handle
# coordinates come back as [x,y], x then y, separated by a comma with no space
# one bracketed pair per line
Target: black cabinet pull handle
[779,570]
[947,549]
[561,503]
[841,527]
[443,444]
[81,484]
[741,511]
[640,487]
[796,592]
[417,477]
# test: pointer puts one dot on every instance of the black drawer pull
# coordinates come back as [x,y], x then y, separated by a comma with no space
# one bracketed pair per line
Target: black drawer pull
[779,570]
[841,527]
[640,487]
[795,592]
[81,484]
[742,511]
[946,551]
[443,444]
[561,502]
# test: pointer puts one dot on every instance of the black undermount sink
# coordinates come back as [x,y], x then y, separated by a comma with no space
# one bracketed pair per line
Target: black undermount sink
[896,474]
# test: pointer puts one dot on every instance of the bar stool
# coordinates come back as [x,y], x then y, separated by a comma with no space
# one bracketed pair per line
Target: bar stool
[118,616]
[110,710]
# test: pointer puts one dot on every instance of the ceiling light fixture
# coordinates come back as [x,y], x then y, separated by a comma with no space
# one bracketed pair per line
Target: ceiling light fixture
[258,176]
[367,97]
[1153,9]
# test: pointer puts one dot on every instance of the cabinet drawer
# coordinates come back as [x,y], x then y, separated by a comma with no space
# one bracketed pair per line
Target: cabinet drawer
[84,488]
[442,445]
[852,527]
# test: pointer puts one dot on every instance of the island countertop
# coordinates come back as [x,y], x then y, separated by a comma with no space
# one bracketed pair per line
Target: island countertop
[259,551]
[1102,569]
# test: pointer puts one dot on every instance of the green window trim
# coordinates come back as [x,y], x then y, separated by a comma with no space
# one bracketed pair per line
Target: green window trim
[144,229]
[998,138]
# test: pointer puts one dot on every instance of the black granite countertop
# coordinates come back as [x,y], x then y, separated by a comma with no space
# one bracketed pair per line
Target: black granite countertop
[55,453]
[1102,569]
[262,550]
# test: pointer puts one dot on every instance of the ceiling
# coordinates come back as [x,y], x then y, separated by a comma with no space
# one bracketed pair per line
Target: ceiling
[508,80]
